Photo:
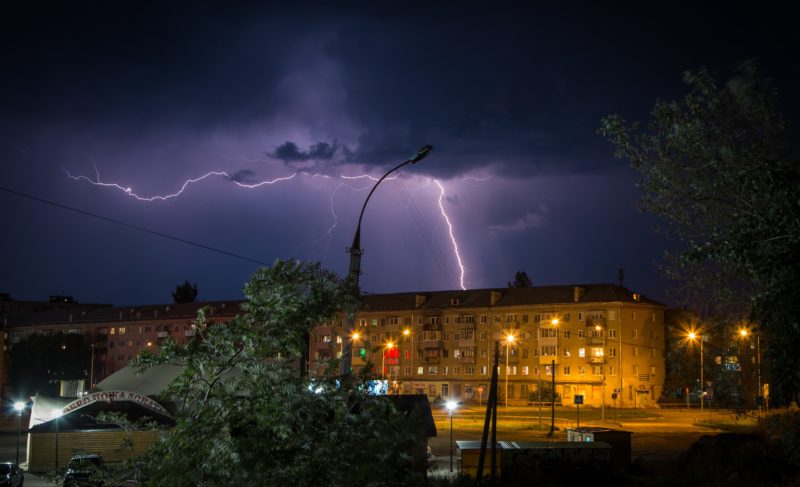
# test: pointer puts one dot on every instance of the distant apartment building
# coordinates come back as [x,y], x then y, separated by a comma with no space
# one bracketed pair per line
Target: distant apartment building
[602,342]
[116,334]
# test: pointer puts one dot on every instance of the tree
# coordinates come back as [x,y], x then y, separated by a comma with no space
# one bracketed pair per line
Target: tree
[717,166]
[521,279]
[246,417]
[38,362]
[185,293]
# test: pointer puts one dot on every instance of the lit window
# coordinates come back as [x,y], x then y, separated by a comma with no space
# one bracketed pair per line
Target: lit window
[420,370]
[581,352]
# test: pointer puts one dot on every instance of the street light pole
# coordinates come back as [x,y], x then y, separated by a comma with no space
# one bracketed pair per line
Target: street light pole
[693,336]
[509,341]
[599,329]
[354,269]
[553,397]
[19,406]
[451,406]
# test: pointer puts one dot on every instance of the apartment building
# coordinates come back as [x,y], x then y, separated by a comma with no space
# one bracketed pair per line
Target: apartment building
[116,334]
[603,342]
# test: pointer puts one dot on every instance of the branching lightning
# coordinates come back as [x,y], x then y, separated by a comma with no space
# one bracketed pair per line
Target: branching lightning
[223,174]
[450,230]
[129,191]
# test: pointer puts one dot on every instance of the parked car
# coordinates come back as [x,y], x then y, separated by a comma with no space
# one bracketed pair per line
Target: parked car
[11,475]
[80,470]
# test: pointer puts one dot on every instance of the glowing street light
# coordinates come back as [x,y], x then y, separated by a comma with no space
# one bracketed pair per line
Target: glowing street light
[599,329]
[19,406]
[407,334]
[509,340]
[554,322]
[692,336]
[56,414]
[355,251]
[389,346]
[451,406]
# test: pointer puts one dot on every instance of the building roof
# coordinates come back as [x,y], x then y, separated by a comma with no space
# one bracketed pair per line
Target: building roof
[433,301]
[508,296]
[126,314]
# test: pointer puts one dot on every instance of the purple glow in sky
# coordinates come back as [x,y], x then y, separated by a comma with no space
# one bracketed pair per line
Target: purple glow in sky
[259,130]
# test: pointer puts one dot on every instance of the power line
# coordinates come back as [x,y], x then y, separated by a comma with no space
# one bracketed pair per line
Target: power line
[135,227]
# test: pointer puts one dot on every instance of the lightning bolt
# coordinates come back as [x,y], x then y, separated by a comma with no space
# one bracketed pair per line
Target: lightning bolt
[450,230]
[223,174]
[129,191]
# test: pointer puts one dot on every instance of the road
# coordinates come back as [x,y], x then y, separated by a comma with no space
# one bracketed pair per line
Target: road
[656,441]
[8,453]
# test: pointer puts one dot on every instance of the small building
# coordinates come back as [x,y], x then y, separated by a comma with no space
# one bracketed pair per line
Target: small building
[619,440]
[521,458]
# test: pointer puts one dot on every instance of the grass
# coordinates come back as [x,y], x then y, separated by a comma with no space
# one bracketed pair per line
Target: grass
[522,419]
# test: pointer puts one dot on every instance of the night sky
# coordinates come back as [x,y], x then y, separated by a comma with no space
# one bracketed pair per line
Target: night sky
[312,95]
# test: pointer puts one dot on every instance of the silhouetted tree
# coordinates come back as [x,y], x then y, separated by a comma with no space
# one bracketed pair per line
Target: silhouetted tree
[185,293]
[38,362]
[521,279]
[251,419]
[718,167]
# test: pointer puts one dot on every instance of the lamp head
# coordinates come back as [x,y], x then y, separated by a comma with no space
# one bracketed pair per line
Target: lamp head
[554,321]
[421,154]
[19,406]
[451,405]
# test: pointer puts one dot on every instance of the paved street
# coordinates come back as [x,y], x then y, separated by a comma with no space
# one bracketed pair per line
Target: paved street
[656,441]
[8,453]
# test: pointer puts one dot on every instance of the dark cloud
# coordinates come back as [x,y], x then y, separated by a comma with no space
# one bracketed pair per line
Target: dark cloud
[321,151]
[243,176]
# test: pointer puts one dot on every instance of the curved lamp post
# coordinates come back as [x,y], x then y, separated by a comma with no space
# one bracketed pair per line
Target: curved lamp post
[355,251]
[19,406]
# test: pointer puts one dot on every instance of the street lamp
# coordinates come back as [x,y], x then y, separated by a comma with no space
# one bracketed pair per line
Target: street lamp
[56,414]
[19,406]
[355,251]
[389,346]
[599,329]
[451,406]
[692,337]
[509,341]
[554,322]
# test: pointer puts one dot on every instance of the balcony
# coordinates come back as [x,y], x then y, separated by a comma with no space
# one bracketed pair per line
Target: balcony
[595,321]
[466,326]
[466,360]
[470,342]
[162,334]
[548,341]
[430,344]
[547,359]
[431,360]
[324,345]
[190,333]
[598,341]
[391,328]
[596,360]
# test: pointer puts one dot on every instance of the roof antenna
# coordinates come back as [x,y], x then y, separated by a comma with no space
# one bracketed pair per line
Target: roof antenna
[621,277]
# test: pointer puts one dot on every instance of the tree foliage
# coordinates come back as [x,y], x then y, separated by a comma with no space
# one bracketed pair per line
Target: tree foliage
[717,166]
[38,362]
[185,293]
[245,415]
[521,279]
